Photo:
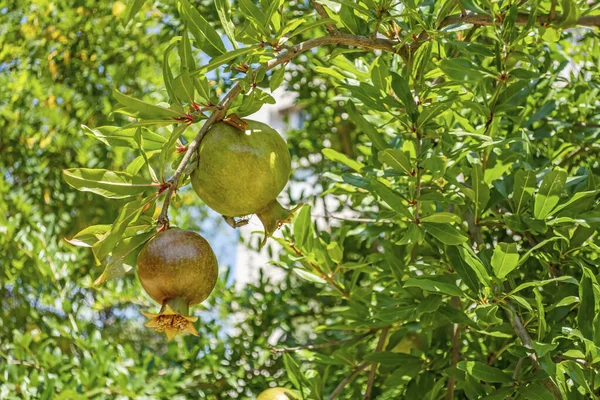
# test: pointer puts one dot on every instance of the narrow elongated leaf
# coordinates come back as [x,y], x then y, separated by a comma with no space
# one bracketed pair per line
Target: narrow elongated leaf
[392,199]
[124,257]
[303,226]
[441,218]
[461,69]
[523,190]
[538,246]
[277,78]
[568,279]
[207,38]
[130,212]
[549,194]
[223,59]
[125,137]
[390,358]
[311,25]
[484,372]
[336,156]
[463,269]
[435,286]
[535,391]
[111,184]
[380,74]
[468,256]
[396,159]
[309,276]
[481,191]
[445,233]
[365,126]
[255,14]
[224,11]
[141,109]
[576,197]
[505,259]
[587,305]
[88,236]
[133,7]
[402,90]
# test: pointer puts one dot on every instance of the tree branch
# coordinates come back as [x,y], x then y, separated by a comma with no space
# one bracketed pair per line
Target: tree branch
[522,333]
[348,379]
[380,344]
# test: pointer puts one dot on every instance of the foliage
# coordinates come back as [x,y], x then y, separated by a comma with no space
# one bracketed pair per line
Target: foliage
[455,151]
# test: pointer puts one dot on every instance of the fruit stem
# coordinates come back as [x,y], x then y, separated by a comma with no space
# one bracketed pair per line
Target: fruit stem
[178,304]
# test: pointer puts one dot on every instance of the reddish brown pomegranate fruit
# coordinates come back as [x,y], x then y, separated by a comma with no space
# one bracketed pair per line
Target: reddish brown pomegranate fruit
[178,269]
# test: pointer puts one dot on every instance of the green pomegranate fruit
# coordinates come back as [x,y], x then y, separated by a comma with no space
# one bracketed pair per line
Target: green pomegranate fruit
[277,394]
[241,172]
[177,268]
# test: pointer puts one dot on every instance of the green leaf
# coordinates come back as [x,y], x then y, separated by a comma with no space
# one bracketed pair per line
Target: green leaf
[111,184]
[470,269]
[309,276]
[392,199]
[125,137]
[335,252]
[130,212]
[433,285]
[277,78]
[133,7]
[168,148]
[445,233]
[441,218]
[402,90]
[535,391]
[88,236]
[293,371]
[366,127]
[389,358]
[207,38]
[224,58]
[336,156]
[538,246]
[143,110]
[223,10]
[311,25]
[461,69]
[396,159]
[548,195]
[523,190]
[484,372]
[576,373]
[255,14]
[481,191]
[570,13]
[456,316]
[505,259]
[587,305]
[303,227]
[576,197]
[380,74]
[124,257]
[567,279]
